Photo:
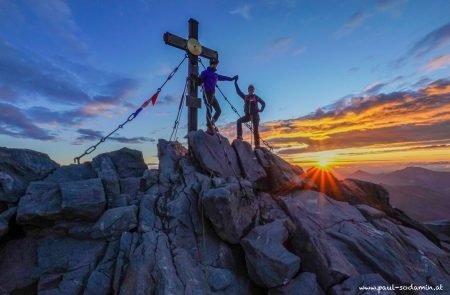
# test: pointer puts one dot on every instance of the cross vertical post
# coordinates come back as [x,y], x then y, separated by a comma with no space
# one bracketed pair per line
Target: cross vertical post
[193,74]
[194,50]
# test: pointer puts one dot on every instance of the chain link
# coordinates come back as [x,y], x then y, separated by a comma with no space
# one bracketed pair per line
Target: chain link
[129,119]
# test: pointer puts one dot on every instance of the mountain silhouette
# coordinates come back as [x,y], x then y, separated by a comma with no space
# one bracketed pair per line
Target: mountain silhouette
[424,194]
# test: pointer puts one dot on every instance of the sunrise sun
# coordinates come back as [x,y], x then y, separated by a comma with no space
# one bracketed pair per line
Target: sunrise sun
[323,163]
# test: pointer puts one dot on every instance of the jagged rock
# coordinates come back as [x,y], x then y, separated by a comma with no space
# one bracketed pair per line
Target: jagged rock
[214,156]
[71,172]
[150,178]
[130,186]
[269,209]
[190,273]
[138,278]
[106,171]
[5,217]
[221,279]
[17,261]
[184,239]
[370,213]
[281,176]
[128,242]
[169,153]
[441,228]
[352,286]
[250,167]
[128,162]
[164,273]
[336,242]
[230,213]
[147,218]
[64,264]
[100,280]
[18,167]
[304,283]
[115,221]
[84,199]
[41,203]
[363,192]
[269,263]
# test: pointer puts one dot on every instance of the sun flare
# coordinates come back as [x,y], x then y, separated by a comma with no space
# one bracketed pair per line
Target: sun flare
[323,163]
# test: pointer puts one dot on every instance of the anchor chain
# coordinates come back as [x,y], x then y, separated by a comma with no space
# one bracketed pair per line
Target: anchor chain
[132,116]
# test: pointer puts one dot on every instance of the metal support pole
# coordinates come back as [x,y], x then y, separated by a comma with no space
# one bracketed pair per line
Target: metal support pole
[193,74]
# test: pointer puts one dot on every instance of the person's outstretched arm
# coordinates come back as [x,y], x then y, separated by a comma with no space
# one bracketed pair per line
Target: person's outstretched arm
[238,90]
[225,78]
[263,104]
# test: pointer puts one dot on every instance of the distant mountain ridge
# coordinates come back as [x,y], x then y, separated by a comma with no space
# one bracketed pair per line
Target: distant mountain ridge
[420,192]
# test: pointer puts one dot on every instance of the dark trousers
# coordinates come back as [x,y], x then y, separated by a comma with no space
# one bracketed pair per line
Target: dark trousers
[212,103]
[255,121]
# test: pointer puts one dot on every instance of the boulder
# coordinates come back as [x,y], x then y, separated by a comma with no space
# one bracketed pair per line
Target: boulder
[115,221]
[214,154]
[41,204]
[304,283]
[18,167]
[128,162]
[83,199]
[250,167]
[71,173]
[269,263]
[281,176]
[231,214]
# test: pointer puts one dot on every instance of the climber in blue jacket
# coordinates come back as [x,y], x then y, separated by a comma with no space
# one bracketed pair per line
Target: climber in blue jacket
[209,79]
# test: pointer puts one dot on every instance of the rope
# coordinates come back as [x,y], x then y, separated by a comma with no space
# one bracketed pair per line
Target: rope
[180,111]
[132,116]
[237,113]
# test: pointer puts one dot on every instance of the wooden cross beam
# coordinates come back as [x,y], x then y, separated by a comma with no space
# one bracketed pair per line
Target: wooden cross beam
[194,50]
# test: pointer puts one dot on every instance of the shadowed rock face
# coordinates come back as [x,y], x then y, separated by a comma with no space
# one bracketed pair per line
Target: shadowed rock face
[196,227]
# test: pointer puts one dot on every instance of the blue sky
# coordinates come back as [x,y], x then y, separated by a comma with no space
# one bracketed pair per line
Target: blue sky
[72,70]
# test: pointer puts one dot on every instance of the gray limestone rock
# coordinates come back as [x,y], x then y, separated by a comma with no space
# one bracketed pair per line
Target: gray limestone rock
[83,199]
[115,221]
[231,214]
[269,263]
[18,167]
[214,154]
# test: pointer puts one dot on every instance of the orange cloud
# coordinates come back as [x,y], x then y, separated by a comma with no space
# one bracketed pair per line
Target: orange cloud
[401,126]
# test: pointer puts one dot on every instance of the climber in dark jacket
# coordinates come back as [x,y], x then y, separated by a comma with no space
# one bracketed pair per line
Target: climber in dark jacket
[209,79]
[251,110]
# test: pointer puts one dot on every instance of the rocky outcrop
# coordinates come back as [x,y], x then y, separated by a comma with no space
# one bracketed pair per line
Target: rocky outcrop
[269,263]
[202,225]
[18,168]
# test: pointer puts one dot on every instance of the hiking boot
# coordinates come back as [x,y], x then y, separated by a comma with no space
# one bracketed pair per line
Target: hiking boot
[210,130]
[239,138]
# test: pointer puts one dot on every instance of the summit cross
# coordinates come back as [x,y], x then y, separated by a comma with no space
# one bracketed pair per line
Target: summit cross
[194,50]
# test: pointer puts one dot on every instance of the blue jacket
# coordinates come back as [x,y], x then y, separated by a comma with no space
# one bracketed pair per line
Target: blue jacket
[209,79]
